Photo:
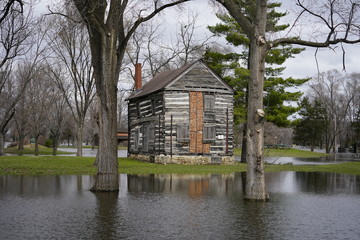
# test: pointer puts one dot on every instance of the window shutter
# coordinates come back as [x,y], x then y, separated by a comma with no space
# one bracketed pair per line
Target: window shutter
[182,132]
[209,102]
[209,133]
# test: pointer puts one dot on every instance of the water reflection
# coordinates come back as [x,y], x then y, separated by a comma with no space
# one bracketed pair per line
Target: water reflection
[191,185]
[302,206]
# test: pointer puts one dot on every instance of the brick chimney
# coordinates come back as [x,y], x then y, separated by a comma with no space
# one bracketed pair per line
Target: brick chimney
[138,81]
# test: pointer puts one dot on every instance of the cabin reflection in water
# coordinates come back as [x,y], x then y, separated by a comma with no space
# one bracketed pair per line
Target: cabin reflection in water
[227,184]
[192,185]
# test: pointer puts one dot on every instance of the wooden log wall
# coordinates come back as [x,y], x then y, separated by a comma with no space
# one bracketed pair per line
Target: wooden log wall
[176,103]
[146,117]
[160,114]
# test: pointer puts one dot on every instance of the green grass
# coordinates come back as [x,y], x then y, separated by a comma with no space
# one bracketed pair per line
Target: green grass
[46,165]
[60,165]
[345,168]
[90,147]
[30,149]
[291,152]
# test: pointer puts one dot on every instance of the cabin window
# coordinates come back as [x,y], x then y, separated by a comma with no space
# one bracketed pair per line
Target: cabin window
[209,102]
[137,136]
[209,133]
[209,109]
[148,136]
[182,133]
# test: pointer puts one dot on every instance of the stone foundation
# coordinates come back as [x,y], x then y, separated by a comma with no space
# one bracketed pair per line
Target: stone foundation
[184,159]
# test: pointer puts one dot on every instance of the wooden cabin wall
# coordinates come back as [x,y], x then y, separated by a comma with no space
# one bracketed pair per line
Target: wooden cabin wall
[224,113]
[199,79]
[176,105]
[146,123]
[165,114]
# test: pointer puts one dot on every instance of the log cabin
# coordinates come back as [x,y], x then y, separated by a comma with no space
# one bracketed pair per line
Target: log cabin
[182,116]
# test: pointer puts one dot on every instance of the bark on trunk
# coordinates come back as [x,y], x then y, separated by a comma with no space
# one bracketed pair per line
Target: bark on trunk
[55,145]
[104,62]
[79,136]
[2,143]
[37,146]
[243,146]
[21,142]
[255,179]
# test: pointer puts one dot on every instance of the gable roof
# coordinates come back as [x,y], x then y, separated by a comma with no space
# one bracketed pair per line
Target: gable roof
[163,79]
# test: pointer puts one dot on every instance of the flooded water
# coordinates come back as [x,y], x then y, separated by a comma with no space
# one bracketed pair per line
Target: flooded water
[302,206]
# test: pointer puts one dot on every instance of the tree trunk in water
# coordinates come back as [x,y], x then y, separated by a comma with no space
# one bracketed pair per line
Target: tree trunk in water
[255,178]
[2,143]
[80,133]
[104,59]
[243,146]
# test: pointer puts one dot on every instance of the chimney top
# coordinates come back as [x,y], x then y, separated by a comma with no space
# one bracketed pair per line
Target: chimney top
[138,81]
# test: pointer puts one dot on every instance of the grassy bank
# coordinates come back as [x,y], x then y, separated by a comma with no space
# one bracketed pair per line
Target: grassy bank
[90,147]
[291,152]
[55,165]
[30,149]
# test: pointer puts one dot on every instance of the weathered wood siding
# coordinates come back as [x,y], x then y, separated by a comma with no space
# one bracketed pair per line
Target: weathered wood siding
[176,104]
[199,79]
[160,123]
[146,121]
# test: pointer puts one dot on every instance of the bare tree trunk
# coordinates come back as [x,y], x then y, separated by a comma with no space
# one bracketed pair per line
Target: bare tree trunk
[54,146]
[108,40]
[255,180]
[107,178]
[80,133]
[2,143]
[243,146]
[36,145]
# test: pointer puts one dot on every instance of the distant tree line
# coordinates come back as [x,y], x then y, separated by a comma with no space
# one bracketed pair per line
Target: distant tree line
[329,116]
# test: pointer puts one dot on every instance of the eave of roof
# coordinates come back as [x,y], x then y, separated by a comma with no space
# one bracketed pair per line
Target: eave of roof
[160,81]
[163,79]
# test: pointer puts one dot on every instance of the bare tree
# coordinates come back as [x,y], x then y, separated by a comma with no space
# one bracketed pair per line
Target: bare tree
[110,25]
[339,24]
[337,92]
[38,97]
[57,117]
[8,7]
[15,40]
[73,73]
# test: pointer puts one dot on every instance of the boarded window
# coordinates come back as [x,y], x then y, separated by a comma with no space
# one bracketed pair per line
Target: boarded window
[209,109]
[209,102]
[209,133]
[137,136]
[182,132]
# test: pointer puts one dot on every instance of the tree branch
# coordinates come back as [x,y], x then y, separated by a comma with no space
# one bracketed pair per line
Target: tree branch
[324,44]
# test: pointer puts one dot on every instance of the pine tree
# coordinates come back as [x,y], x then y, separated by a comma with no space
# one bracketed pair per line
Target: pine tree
[234,67]
[310,129]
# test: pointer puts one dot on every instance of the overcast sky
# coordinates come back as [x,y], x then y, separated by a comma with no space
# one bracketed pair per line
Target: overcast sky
[303,65]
